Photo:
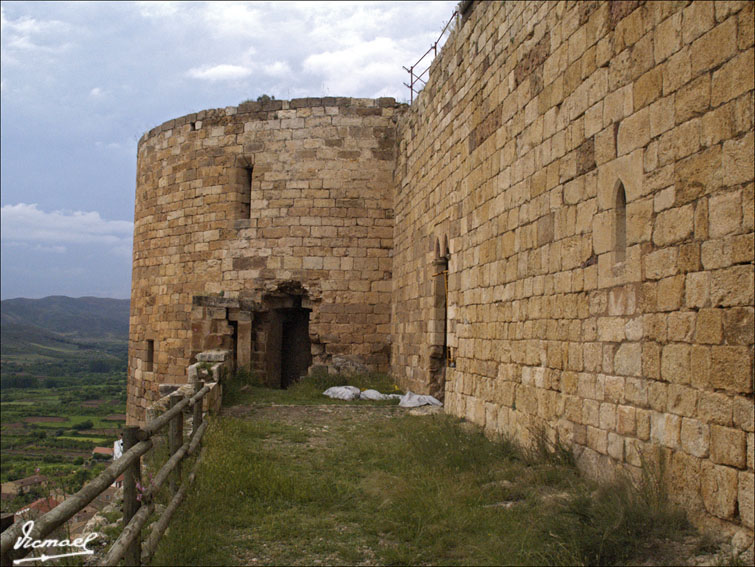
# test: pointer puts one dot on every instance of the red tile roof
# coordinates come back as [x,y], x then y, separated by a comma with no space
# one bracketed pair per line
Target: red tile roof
[103,451]
[41,506]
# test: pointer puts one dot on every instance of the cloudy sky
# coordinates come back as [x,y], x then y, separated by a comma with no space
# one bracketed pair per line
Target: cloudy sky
[81,82]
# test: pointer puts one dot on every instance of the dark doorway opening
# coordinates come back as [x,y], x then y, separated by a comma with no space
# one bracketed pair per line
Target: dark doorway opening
[295,347]
[439,329]
[235,344]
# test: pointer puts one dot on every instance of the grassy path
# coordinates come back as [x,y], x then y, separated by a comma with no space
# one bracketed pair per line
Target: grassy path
[312,483]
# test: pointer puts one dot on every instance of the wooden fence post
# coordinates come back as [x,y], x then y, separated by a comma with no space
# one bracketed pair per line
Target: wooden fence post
[197,421]
[131,502]
[175,440]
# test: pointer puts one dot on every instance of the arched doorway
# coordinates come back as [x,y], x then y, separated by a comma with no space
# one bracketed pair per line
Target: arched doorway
[438,359]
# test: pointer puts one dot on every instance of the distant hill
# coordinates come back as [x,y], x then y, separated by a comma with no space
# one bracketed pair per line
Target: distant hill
[57,326]
[79,317]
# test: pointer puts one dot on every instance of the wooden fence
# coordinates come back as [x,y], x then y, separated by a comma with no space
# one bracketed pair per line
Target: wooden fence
[138,502]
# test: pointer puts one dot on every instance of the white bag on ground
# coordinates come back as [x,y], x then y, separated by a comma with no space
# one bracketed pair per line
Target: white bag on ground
[377,396]
[412,400]
[343,392]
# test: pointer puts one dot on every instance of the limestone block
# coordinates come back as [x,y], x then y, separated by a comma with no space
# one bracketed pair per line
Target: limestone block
[643,424]
[725,212]
[621,301]
[665,429]
[675,363]
[739,325]
[695,437]
[648,87]
[634,329]
[655,327]
[686,138]
[618,105]
[611,329]
[591,356]
[715,47]
[670,293]
[746,499]
[713,254]
[689,257]
[697,19]
[597,440]
[681,326]
[673,225]
[744,414]
[719,487]
[628,360]
[651,360]
[728,446]
[602,232]
[676,71]
[634,132]
[734,78]
[662,117]
[681,400]
[590,412]
[607,419]
[605,145]
[731,368]
[651,153]
[636,392]
[714,407]
[717,125]
[214,356]
[732,286]
[745,24]
[668,37]
[639,224]
[740,248]
[738,162]
[709,326]
[626,421]
[615,446]
[698,174]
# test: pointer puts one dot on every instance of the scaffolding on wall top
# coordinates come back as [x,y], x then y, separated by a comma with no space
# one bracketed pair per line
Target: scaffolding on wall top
[417,80]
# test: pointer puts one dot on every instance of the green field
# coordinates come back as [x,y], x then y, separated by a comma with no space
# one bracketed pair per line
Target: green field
[61,448]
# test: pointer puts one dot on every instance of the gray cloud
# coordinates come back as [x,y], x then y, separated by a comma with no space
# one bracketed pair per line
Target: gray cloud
[27,223]
[81,82]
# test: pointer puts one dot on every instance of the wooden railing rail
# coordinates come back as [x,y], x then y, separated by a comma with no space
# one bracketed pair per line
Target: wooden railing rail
[138,505]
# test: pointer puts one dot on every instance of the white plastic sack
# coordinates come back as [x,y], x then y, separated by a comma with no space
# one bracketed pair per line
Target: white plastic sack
[343,392]
[376,396]
[412,400]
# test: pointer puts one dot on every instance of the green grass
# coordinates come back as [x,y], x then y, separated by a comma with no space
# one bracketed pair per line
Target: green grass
[245,389]
[98,440]
[392,488]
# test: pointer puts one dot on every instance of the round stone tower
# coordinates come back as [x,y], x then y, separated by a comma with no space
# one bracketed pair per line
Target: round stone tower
[264,229]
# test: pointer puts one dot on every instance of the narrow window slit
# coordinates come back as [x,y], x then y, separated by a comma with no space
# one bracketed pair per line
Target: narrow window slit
[620,224]
[149,359]
[245,197]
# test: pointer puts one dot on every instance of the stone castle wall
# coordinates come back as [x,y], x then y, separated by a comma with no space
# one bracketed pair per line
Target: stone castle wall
[557,235]
[247,210]
[581,175]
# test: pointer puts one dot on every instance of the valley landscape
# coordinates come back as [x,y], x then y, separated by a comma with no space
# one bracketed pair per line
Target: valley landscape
[63,390]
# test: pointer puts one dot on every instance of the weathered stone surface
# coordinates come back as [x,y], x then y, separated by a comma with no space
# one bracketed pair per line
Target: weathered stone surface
[747,499]
[695,437]
[728,446]
[719,489]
